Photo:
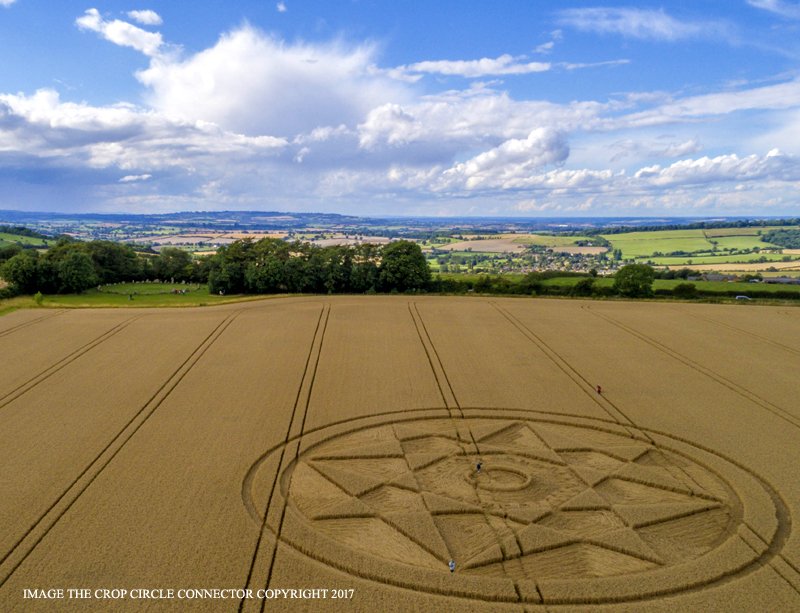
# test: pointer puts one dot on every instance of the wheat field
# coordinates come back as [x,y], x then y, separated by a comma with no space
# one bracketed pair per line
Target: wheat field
[359,444]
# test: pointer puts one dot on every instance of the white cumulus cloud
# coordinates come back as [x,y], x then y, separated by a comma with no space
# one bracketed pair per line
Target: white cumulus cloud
[472,119]
[43,127]
[509,161]
[253,83]
[146,17]
[7,2]
[774,165]
[121,32]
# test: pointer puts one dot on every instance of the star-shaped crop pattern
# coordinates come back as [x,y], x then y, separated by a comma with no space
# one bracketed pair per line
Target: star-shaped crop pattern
[549,500]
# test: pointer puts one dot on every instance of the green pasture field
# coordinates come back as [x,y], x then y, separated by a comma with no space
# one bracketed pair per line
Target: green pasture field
[750,231]
[93,298]
[6,238]
[440,240]
[153,288]
[715,259]
[148,295]
[644,244]
[742,242]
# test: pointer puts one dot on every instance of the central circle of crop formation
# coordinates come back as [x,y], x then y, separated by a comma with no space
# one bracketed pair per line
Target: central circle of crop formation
[559,512]
[499,478]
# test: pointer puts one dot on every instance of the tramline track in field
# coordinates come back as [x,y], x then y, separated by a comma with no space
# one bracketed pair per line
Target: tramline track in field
[266,551]
[703,370]
[25,324]
[28,385]
[23,547]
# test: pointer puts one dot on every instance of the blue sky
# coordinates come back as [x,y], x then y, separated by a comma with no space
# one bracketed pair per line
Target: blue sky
[413,108]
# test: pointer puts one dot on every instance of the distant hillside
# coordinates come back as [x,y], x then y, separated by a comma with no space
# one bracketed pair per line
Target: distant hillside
[15,237]
[129,226]
[22,231]
[222,220]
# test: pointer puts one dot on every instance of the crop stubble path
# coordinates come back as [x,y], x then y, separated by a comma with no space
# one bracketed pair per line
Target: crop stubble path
[703,370]
[31,322]
[14,558]
[28,386]
[46,373]
[267,551]
[740,330]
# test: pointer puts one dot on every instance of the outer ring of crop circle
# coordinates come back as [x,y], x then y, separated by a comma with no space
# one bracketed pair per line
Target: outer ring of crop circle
[778,538]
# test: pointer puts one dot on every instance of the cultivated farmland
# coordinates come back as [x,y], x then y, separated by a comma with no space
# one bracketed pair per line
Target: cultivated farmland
[335,443]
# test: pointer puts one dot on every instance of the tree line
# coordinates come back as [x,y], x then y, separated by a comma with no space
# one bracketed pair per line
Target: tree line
[697,225]
[271,266]
[632,281]
[246,266]
[70,266]
[790,239]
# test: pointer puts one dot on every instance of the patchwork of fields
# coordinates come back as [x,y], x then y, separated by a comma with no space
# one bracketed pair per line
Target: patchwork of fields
[644,244]
[335,443]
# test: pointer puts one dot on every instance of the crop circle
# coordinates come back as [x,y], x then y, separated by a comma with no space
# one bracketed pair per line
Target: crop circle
[560,510]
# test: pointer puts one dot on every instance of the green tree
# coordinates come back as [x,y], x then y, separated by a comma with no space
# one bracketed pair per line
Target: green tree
[8,251]
[22,272]
[403,267]
[364,272]
[173,263]
[226,269]
[531,283]
[634,280]
[685,290]
[336,264]
[114,262]
[584,287]
[267,276]
[56,277]
[76,272]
